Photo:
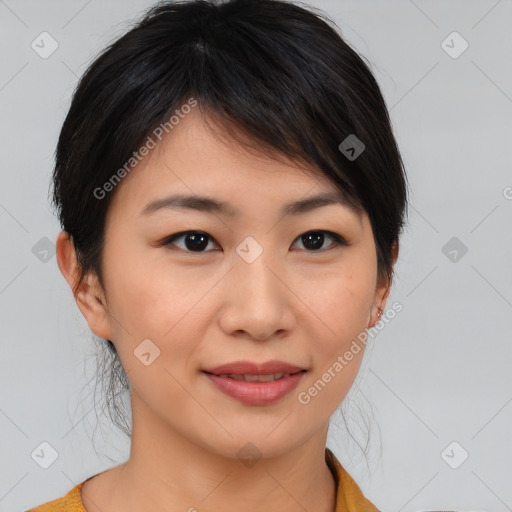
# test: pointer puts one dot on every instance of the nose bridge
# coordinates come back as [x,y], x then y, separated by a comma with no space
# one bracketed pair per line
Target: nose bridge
[252,271]
[255,299]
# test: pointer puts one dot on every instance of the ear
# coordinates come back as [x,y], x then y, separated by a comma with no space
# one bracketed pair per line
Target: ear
[382,292]
[89,297]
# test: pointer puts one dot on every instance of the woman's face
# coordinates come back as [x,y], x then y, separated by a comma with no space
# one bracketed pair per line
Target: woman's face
[252,289]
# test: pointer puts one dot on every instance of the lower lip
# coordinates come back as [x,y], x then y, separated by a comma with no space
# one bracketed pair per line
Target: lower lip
[256,393]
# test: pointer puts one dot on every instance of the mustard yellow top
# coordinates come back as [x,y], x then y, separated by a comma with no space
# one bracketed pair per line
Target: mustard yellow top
[348,496]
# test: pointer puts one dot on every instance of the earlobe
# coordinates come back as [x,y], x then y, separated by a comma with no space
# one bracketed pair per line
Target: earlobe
[382,292]
[379,304]
[89,296]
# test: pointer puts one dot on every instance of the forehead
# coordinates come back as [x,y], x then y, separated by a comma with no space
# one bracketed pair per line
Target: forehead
[198,159]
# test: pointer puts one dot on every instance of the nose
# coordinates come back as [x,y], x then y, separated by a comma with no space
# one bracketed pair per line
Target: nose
[257,300]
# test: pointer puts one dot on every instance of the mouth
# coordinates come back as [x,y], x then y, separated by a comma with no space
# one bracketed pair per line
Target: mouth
[255,377]
[256,389]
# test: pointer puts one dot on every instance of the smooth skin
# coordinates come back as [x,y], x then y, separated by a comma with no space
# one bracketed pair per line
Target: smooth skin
[203,309]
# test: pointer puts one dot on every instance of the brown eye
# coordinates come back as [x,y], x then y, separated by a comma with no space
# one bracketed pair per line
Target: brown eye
[314,240]
[194,241]
[197,241]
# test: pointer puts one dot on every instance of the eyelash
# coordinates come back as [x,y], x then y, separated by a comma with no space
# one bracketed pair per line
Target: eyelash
[338,240]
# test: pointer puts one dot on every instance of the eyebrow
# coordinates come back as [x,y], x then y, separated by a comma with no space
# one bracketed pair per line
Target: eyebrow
[210,205]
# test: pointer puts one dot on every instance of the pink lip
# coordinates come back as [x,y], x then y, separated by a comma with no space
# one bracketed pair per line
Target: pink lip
[250,368]
[256,393]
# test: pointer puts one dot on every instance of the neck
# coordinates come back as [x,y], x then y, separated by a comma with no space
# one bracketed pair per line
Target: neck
[167,472]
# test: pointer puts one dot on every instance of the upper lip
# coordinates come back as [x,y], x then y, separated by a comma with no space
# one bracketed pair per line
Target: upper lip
[250,368]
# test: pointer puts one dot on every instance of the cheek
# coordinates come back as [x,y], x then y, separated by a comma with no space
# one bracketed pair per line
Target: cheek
[341,304]
[150,301]
[342,298]
[342,301]
[145,290]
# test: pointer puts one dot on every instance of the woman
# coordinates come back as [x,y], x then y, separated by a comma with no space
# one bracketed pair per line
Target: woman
[231,198]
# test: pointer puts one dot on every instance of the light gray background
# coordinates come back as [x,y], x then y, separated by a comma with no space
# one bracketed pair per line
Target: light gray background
[438,373]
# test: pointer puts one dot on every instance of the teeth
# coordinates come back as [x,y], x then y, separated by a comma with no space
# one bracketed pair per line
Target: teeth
[256,378]
[260,378]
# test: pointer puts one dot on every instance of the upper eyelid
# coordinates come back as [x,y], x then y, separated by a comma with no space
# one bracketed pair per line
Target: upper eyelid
[338,238]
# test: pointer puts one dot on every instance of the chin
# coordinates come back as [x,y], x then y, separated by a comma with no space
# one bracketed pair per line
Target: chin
[252,443]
